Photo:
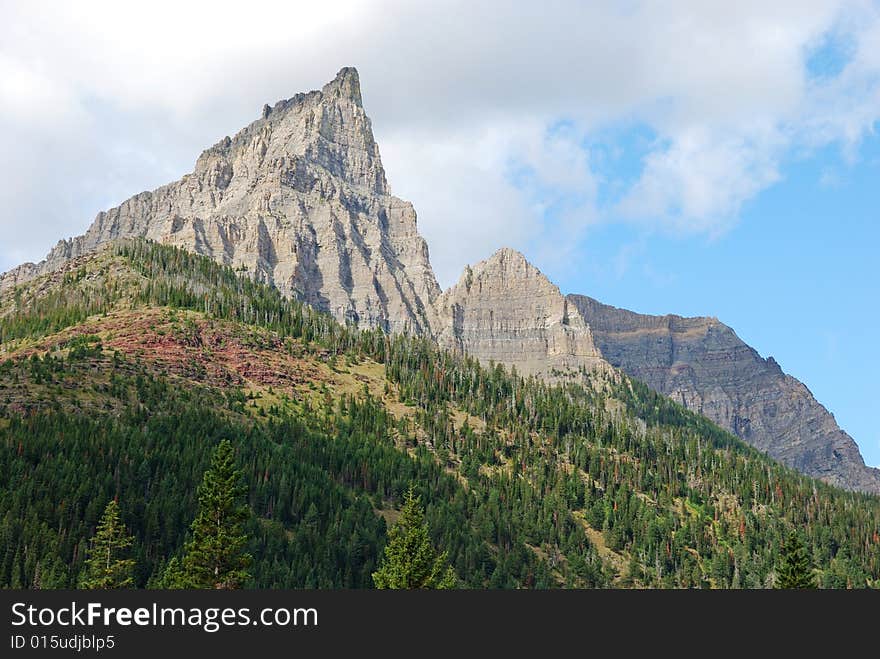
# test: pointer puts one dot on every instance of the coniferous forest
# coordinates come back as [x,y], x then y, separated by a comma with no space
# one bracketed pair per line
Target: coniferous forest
[121,375]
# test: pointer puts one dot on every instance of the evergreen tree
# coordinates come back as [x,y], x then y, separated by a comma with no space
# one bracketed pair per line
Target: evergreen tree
[410,560]
[215,557]
[106,566]
[795,569]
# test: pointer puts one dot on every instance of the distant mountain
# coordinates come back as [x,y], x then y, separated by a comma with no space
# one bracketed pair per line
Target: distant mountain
[504,309]
[702,364]
[299,200]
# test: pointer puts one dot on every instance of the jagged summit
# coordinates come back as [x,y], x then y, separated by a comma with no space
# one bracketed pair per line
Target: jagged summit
[508,257]
[509,265]
[509,254]
[347,83]
[329,128]
[299,199]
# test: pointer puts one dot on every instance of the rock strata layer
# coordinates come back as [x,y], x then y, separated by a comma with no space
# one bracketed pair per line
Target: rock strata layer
[505,310]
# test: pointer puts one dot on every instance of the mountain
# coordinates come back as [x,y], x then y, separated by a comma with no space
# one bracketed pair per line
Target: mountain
[120,372]
[298,199]
[702,364]
[504,309]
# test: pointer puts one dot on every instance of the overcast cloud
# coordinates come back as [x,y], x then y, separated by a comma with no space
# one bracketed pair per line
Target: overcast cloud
[483,113]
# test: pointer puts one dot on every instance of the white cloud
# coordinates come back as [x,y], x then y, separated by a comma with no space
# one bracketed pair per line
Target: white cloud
[846,107]
[30,96]
[485,190]
[104,99]
[698,180]
[472,209]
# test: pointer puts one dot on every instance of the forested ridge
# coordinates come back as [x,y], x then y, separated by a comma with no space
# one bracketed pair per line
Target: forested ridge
[525,484]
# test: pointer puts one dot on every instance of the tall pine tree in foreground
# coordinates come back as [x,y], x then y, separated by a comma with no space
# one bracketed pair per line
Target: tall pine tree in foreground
[215,557]
[106,566]
[795,568]
[410,560]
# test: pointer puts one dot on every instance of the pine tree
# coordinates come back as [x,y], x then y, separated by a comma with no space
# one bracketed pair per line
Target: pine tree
[410,560]
[795,569]
[215,557]
[106,566]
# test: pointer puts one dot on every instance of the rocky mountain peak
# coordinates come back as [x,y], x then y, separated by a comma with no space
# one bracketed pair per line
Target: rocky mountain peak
[327,128]
[508,269]
[298,199]
[511,263]
[346,84]
[504,309]
[510,255]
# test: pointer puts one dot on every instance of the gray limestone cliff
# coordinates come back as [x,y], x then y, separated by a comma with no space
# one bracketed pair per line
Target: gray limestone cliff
[299,199]
[505,310]
[702,364]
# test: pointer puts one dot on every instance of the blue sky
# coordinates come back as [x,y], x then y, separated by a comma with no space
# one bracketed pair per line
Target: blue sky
[669,157]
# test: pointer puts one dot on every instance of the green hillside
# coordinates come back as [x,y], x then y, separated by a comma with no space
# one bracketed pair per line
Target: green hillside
[119,374]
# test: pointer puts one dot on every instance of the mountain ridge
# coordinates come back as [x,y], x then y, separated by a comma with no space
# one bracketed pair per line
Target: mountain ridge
[299,200]
[702,363]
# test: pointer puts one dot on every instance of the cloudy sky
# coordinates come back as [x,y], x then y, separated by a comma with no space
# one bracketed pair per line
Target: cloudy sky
[701,158]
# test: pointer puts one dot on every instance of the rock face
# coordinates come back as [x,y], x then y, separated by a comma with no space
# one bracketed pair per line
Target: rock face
[704,365]
[299,199]
[504,309]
